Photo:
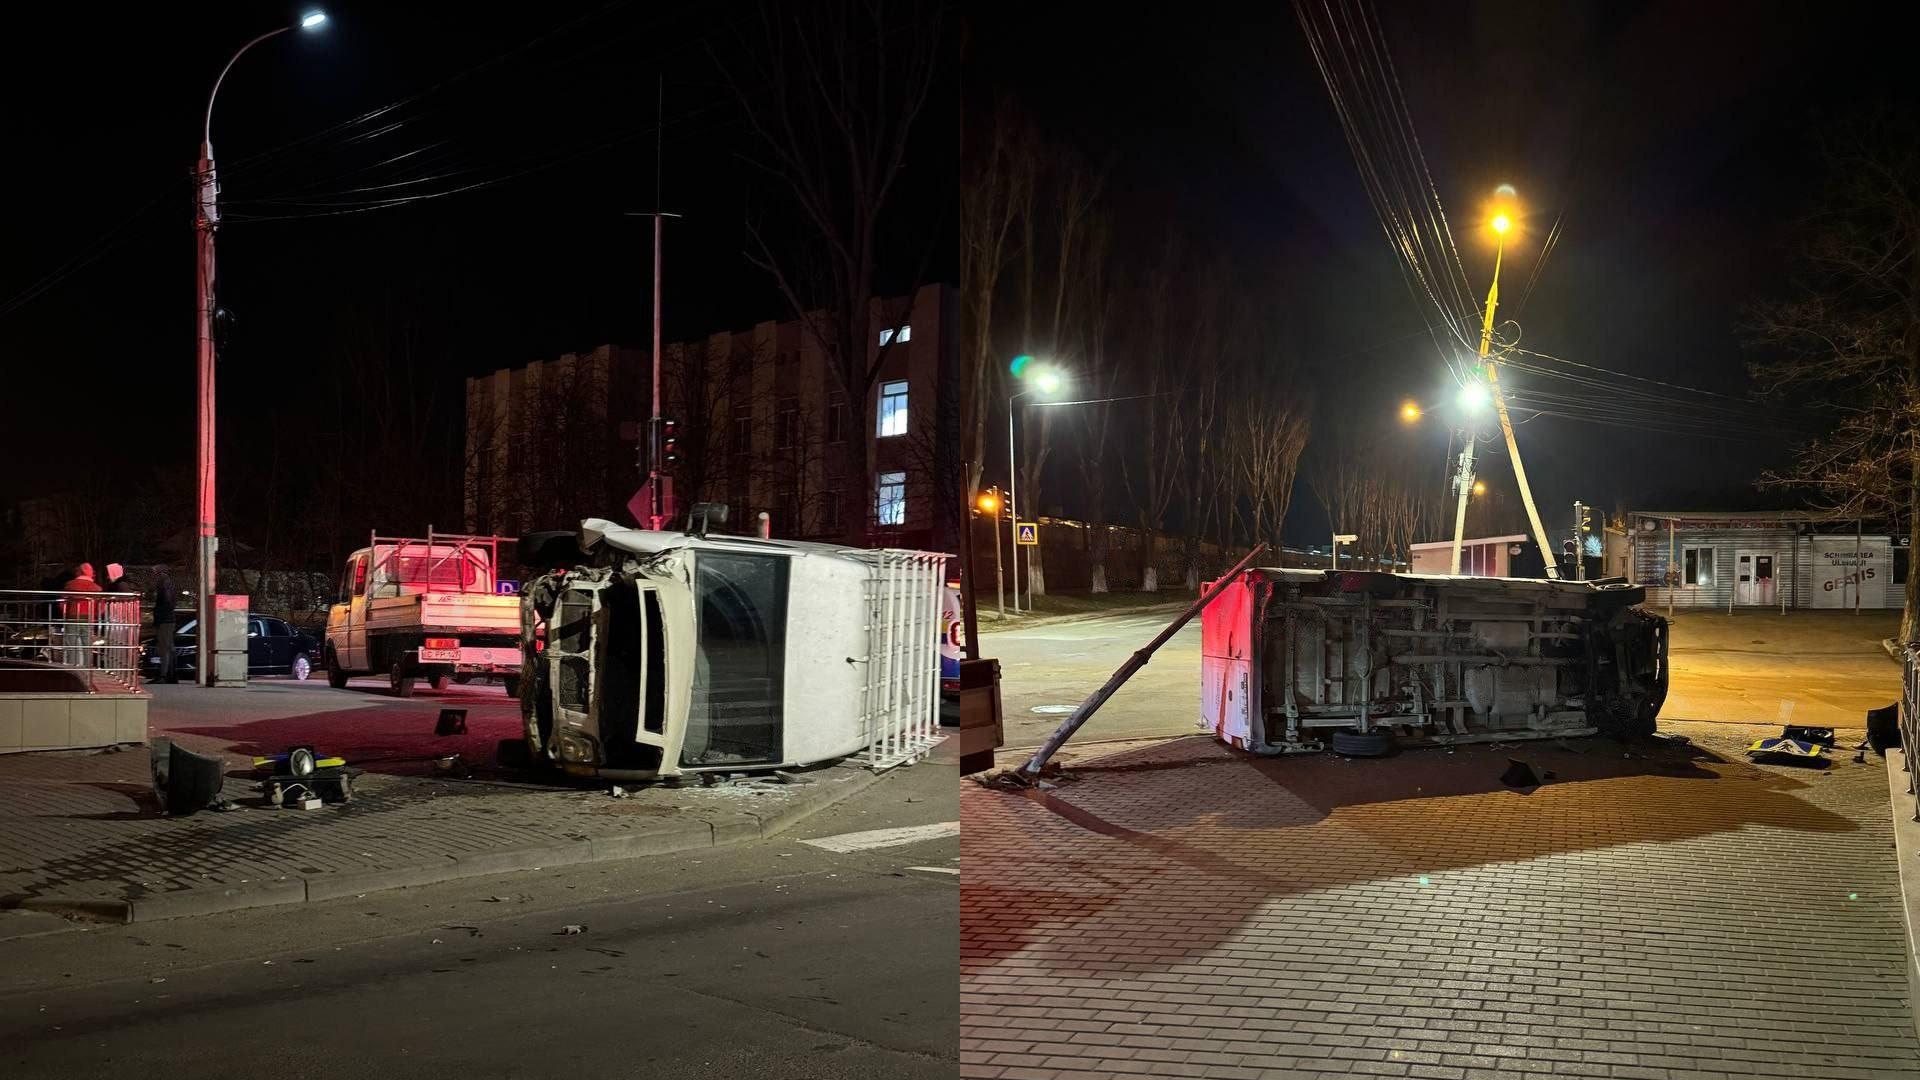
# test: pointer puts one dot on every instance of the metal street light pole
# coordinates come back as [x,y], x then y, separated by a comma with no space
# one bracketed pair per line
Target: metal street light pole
[999,575]
[206,221]
[1013,511]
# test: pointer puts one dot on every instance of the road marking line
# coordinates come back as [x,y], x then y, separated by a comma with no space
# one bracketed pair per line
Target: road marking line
[880,838]
[936,869]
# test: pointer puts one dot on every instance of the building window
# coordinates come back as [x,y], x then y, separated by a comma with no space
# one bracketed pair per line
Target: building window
[789,423]
[830,512]
[1698,562]
[893,408]
[903,335]
[742,428]
[890,499]
[836,417]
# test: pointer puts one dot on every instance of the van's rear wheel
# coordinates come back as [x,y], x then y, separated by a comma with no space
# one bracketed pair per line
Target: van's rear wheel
[512,683]
[1375,743]
[439,682]
[401,679]
[336,675]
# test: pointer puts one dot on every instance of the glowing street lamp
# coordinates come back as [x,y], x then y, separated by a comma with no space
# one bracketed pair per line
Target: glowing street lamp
[1479,487]
[1042,379]
[989,504]
[1410,412]
[1474,395]
[206,220]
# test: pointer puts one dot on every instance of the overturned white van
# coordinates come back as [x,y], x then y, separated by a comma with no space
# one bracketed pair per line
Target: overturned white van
[1299,660]
[661,654]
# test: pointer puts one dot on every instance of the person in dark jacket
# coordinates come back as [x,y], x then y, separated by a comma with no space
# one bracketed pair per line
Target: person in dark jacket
[164,602]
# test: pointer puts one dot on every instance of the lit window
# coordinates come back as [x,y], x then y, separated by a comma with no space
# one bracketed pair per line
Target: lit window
[902,335]
[893,408]
[890,499]
[1699,566]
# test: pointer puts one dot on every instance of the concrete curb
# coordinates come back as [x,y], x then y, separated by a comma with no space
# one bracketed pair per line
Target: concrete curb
[1906,849]
[695,834]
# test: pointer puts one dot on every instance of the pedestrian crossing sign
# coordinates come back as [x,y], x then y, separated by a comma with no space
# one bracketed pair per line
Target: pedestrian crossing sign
[1027,534]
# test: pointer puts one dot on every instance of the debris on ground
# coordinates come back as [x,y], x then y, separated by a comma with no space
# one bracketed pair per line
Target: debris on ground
[782,776]
[618,792]
[1519,774]
[570,930]
[1823,736]
[451,722]
[1787,750]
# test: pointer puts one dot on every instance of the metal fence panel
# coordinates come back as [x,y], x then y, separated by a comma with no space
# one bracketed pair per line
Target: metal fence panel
[86,642]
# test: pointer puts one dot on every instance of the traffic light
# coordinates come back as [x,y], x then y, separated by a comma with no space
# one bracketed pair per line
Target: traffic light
[669,443]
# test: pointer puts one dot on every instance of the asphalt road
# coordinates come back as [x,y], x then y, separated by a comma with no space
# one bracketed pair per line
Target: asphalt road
[775,959]
[1053,667]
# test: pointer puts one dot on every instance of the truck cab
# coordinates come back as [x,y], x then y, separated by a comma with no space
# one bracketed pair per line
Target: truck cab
[424,608]
[660,654]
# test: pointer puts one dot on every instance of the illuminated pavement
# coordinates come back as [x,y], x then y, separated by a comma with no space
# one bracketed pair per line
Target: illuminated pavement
[1180,910]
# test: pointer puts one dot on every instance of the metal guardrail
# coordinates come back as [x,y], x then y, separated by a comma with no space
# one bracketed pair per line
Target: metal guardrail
[1909,730]
[78,641]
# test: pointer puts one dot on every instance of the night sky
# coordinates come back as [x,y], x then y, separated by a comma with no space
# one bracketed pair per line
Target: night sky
[1675,143]
[550,111]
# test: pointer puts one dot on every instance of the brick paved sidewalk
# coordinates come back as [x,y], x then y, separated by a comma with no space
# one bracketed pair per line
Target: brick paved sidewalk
[1184,910]
[81,832]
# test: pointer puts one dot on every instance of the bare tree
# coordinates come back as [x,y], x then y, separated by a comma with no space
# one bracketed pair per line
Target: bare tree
[1102,380]
[1851,339]
[998,176]
[1161,365]
[839,88]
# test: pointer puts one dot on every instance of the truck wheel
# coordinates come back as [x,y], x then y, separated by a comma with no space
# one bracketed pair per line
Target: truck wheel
[301,667]
[1376,743]
[402,681]
[512,683]
[336,675]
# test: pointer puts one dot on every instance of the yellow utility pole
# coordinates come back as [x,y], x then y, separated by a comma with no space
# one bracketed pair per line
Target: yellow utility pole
[1501,224]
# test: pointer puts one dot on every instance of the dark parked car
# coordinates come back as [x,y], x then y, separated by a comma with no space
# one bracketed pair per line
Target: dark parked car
[274,647]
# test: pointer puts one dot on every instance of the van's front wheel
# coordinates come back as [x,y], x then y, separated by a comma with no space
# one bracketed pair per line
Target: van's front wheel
[336,675]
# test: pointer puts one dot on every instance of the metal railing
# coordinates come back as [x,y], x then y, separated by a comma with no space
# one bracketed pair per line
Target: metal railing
[1909,730]
[71,641]
[900,703]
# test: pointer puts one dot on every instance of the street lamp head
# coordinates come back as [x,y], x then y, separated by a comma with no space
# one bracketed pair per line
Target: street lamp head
[312,19]
[1410,412]
[1479,487]
[1501,223]
[1474,396]
[988,502]
[1048,381]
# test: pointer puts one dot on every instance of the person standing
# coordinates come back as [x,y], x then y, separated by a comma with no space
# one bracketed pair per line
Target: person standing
[164,601]
[79,621]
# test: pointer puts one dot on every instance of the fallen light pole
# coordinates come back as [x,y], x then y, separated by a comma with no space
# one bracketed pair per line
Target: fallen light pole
[1030,772]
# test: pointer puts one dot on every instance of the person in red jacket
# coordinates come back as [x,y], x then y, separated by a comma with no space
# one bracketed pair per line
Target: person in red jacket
[79,616]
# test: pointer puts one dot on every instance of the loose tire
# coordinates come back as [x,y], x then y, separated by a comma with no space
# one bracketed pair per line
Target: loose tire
[1375,743]
[402,681]
[336,675]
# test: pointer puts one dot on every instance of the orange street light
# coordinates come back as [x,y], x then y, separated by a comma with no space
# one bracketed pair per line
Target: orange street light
[988,502]
[1479,487]
[1410,412]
